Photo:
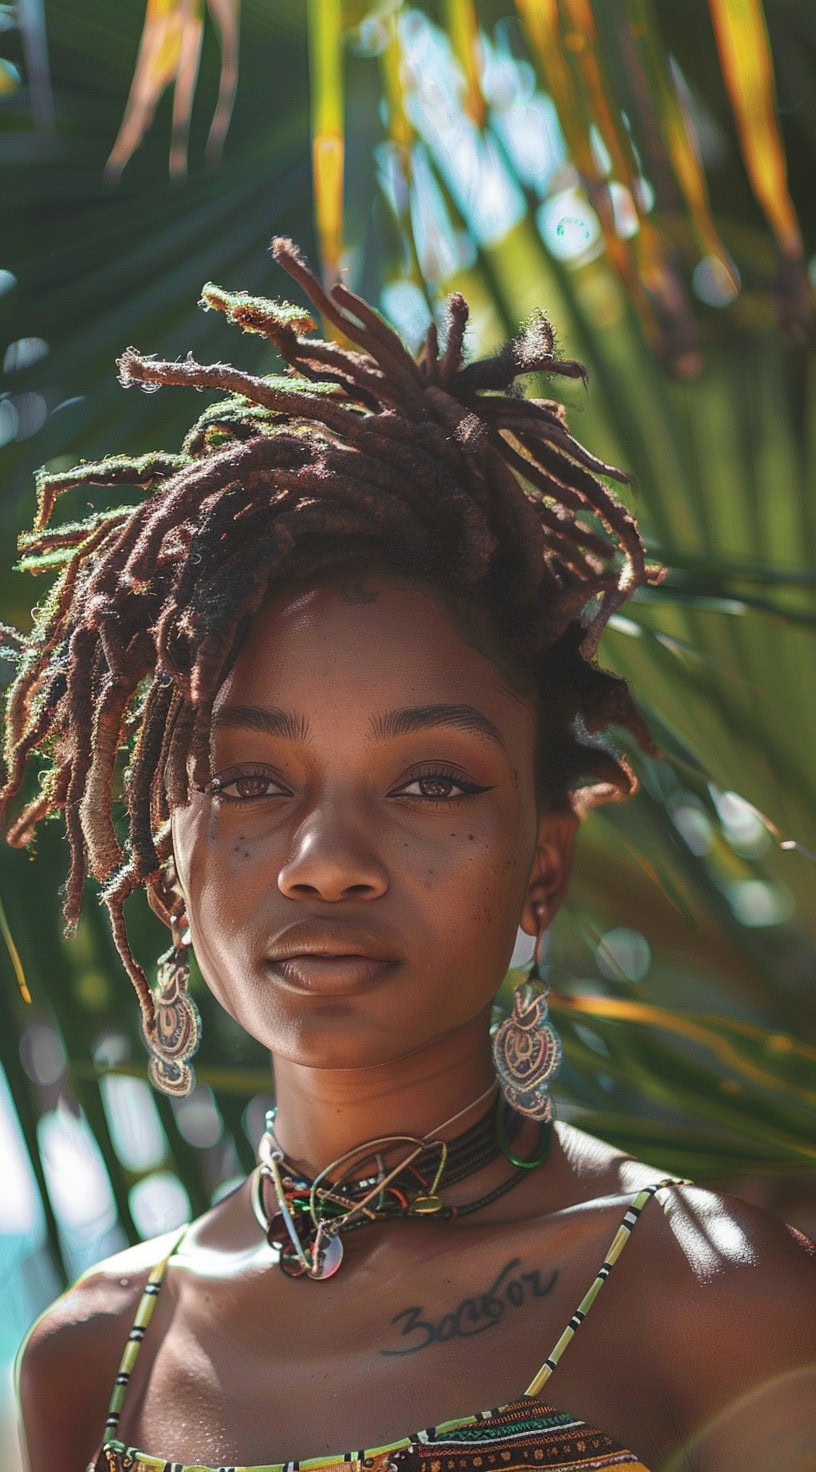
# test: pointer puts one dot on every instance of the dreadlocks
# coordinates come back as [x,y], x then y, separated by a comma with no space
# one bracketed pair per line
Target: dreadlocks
[359,452]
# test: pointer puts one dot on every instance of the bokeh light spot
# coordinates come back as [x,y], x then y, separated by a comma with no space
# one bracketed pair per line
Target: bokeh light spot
[75,1172]
[20,1208]
[199,1118]
[741,823]
[693,824]
[136,1131]
[9,421]
[93,990]
[158,1203]
[568,226]
[623,954]
[404,304]
[757,903]
[30,412]
[42,1053]
[713,283]
[23,353]
[10,77]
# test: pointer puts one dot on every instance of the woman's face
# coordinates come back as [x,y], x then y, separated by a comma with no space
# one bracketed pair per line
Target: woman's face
[356,872]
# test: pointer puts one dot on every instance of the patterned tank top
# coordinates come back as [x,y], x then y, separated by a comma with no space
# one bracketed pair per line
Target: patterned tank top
[526,1433]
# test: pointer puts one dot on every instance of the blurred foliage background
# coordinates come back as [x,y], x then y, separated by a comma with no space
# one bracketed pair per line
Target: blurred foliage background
[642,170]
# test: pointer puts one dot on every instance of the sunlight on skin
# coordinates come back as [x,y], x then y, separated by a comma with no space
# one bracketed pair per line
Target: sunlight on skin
[761,1432]
[710,1241]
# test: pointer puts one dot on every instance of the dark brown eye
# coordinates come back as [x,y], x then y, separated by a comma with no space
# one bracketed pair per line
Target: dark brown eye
[246,786]
[250,786]
[432,787]
[436,786]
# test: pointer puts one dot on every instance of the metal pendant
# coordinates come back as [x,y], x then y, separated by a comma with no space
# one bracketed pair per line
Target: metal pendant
[327,1255]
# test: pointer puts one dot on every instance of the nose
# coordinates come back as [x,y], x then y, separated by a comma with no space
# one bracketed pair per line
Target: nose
[331,859]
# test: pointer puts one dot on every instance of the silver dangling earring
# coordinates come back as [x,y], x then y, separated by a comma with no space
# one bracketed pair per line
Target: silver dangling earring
[176,1031]
[526,1047]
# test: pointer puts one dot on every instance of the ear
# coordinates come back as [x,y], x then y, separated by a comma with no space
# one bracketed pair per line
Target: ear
[550,871]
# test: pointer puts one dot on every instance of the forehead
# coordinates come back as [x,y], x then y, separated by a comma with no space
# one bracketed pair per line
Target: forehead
[376,639]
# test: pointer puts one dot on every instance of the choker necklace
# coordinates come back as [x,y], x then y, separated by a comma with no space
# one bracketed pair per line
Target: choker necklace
[305,1226]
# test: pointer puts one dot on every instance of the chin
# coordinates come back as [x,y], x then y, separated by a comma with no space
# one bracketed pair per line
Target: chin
[334,1035]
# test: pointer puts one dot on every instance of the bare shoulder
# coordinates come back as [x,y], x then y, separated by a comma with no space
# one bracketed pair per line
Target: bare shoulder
[721,1252]
[66,1365]
[729,1314]
[721,1303]
[706,1256]
[104,1295]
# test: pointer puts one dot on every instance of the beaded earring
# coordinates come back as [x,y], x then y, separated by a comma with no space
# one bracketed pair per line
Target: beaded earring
[526,1047]
[176,1031]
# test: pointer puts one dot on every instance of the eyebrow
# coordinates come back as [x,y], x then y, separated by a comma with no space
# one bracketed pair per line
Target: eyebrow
[422,717]
[270,720]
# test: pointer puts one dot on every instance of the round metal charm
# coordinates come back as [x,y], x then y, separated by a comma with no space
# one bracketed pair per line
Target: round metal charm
[327,1255]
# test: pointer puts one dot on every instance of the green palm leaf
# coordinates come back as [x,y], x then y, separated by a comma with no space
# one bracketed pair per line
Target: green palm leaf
[633,220]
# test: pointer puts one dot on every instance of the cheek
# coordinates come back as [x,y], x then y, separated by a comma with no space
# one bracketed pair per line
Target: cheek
[188,827]
[496,895]
[479,882]
[217,881]
[211,855]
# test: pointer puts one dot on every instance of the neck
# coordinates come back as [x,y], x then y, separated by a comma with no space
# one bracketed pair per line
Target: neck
[323,1112]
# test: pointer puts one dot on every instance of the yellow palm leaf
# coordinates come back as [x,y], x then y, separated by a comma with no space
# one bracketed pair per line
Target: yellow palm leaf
[648,254]
[581,38]
[170,52]
[677,132]
[328,137]
[171,38]
[745,57]
[738,1046]
[463,30]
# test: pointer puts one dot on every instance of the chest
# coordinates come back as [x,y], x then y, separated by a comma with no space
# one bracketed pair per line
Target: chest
[282,1370]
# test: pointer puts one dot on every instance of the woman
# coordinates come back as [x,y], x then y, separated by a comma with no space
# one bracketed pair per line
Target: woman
[352,653]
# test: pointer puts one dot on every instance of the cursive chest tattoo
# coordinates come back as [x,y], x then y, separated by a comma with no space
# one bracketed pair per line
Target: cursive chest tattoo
[511,1289]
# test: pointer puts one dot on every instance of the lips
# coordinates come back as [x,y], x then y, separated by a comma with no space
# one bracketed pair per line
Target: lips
[332,960]
[330,941]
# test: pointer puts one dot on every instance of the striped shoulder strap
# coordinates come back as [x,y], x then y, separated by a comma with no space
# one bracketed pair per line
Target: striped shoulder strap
[144,1313]
[614,1251]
